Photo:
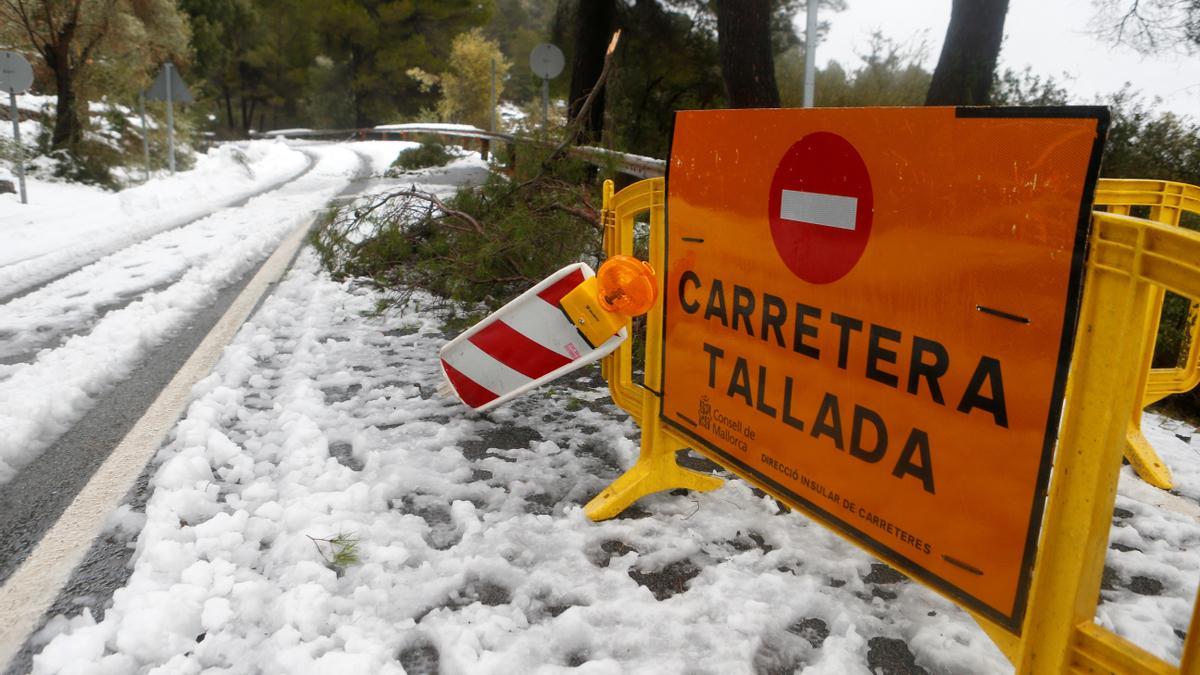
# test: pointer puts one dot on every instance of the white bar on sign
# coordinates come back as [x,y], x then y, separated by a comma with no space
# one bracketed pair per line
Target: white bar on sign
[819,209]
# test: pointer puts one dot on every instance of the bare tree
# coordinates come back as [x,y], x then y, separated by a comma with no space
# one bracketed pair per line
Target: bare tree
[964,71]
[1150,26]
[744,44]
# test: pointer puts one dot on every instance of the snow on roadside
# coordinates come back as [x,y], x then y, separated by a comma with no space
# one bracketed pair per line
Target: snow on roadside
[422,126]
[67,225]
[40,400]
[382,153]
[473,554]
[1153,566]
[473,550]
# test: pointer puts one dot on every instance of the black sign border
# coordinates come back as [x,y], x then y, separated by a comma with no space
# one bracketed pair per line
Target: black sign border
[1014,620]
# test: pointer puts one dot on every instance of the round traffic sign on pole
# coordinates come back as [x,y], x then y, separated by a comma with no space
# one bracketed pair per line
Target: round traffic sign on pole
[16,75]
[546,60]
[821,207]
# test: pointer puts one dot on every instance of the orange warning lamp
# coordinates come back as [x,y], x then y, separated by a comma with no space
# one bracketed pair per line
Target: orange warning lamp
[599,306]
[627,285]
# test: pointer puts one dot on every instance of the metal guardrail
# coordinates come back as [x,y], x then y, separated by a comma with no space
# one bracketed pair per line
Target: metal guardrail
[629,164]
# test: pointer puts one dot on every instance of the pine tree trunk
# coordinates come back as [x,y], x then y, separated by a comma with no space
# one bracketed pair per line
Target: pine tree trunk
[229,108]
[593,29]
[360,114]
[968,62]
[744,43]
[66,117]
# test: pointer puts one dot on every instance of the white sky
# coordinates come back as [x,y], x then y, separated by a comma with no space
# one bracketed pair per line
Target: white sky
[1051,36]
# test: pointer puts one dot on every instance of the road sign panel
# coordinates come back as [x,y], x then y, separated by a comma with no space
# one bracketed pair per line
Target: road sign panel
[546,61]
[179,90]
[870,313]
[16,75]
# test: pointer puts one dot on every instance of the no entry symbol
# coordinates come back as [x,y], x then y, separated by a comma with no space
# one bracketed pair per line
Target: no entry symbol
[821,207]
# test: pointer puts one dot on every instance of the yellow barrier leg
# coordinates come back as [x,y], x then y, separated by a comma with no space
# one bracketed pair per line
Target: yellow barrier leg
[1142,456]
[656,470]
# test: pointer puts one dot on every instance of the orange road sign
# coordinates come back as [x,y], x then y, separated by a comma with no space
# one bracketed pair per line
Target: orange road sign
[870,313]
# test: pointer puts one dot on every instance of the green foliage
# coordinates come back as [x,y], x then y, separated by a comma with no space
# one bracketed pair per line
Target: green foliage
[518,26]
[479,249]
[1146,144]
[87,49]
[1026,88]
[381,40]
[339,551]
[427,154]
[666,61]
[335,63]
[466,86]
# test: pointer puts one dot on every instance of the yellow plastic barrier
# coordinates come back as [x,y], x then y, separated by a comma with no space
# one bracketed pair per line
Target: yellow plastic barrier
[1132,262]
[656,468]
[1167,201]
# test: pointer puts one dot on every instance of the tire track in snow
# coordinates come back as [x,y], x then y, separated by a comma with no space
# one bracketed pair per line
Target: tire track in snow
[75,302]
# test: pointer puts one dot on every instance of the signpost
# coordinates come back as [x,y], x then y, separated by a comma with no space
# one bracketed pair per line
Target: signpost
[16,76]
[169,87]
[145,133]
[546,61]
[870,314]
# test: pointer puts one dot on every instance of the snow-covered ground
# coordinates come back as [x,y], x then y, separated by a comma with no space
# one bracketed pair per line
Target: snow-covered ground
[115,310]
[472,553]
[422,126]
[66,225]
[320,509]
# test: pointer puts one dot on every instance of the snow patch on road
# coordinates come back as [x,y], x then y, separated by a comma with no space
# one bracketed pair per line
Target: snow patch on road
[473,553]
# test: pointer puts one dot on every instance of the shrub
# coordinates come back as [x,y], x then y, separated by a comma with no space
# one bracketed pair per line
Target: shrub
[428,154]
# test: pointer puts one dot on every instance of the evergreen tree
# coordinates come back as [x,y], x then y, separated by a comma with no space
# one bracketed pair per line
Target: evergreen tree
[747,62]
[968,61]
[381,40]
[466,86]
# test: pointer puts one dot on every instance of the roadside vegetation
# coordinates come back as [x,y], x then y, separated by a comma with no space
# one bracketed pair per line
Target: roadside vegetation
[431,152]
[477,249]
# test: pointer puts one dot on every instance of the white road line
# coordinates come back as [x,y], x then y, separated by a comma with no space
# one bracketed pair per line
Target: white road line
[819,209]
[31,590]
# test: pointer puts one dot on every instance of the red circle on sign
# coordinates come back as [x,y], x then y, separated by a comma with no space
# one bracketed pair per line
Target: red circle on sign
[821,207]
